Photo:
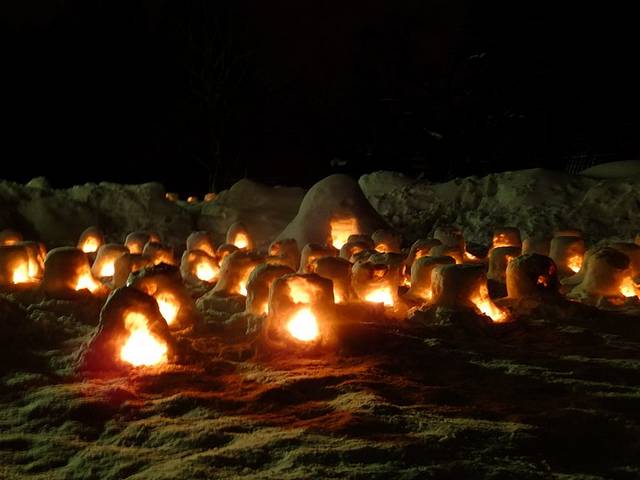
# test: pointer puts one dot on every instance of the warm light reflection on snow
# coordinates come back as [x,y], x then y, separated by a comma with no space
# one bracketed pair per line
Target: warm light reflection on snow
[168,306]
[21,273]
[303,325]
[90,245]
[575,263]
[341,229]
[627,288]
[380,295]
[484,303]
[205,272]
[142,348]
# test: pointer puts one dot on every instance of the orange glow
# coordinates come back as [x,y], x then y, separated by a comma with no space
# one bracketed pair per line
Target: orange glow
[205,272]
[142,348]
[86,281]
[20,274]
[382,248]
[484,303]
[341,230]
[108,269]
[470,257]
[90,245]
[543,280]
[303,325]
[243,288]
[298,294]
[337,298]
[627,288]
[241,241]
[575,263]
[380,295]
[168,306]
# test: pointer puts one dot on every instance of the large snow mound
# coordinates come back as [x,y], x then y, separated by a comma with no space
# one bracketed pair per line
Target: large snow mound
[537,201]
[622,169]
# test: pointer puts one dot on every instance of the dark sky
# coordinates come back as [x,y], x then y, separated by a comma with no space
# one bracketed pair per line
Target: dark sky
[188,92]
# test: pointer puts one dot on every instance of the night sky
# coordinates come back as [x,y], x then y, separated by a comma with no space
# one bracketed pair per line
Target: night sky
[192,93]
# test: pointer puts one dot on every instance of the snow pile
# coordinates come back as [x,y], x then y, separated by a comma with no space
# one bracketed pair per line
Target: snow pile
[622,169]
[264,210]
[537,201]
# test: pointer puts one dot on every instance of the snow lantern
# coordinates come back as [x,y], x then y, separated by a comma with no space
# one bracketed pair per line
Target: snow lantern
[201,240]
[164,283]
[131,333]
[506,237]
[104,264]
[444,250]
[421,276]
[224,250]
[126,264]
[499,258]
[421,248]
[159,253]
[301,310]
[67,270]
[377,280]
[532,275]
[536,244]
[37,253]
[258,285]
[338,270]
[196,266]
[604,278]
[313,251]
[90,240]
[14,265]
[464,287]
[234,272]
[568,254]
[287,250]
[238,235]
[136,241]
[386,241]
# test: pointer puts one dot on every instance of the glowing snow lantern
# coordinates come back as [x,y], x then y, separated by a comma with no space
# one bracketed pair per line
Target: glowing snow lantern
[287,250]
[338,270]
[311,252]
[568,254]
[159,253]
[506,237]
[456,252]
[353,247]
[9,237]
[340,229]
[258,285]
[628,288]
[421,248]
[104,264]
[172,196]
[192,199]
[36,252]
[14,265]
[464,288]
[127,264]
[136,241]
[301,309]
[605,277]
[210,197]
[421,269]
[234,272]
[499,258]
[386,241]
[201,240]
[67,271]
[238,235]
[164,283]
[196,267]
[377,279]
[131,333]
[90,240]
[532,276]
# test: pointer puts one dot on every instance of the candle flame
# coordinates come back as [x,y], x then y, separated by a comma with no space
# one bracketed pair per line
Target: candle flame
[108,269]
[380,295]
[484,303]
[168,306]
[20,274]
[575,263]
[627,288]
[90,245]
[142,348]
[303,325]
[205,272]
[241,241]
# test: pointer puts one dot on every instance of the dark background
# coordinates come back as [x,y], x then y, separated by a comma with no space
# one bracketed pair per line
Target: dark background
[201,93]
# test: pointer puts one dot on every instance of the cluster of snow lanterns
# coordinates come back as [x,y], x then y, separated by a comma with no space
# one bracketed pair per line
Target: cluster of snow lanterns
[299,292]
